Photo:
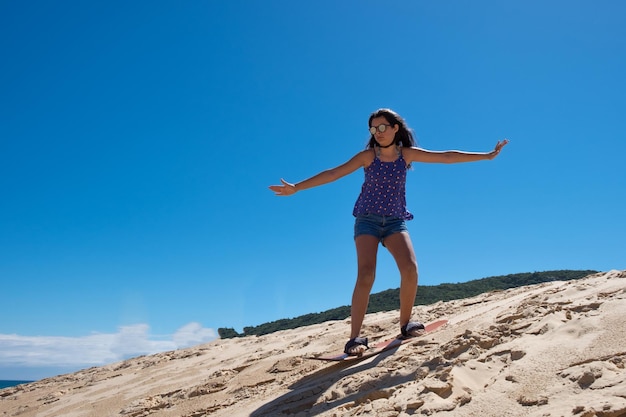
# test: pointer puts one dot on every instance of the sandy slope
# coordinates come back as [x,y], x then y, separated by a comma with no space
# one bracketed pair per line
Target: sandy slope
[555,349]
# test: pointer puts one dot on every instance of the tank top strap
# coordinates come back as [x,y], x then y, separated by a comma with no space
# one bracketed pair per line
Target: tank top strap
[401,156]
[398,151]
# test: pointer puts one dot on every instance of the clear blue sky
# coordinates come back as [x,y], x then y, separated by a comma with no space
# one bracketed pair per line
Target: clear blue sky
[138,139]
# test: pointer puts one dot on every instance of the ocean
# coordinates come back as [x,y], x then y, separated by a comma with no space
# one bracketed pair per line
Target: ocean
[9,383]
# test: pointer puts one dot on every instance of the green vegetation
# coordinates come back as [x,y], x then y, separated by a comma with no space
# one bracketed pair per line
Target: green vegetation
[388,300]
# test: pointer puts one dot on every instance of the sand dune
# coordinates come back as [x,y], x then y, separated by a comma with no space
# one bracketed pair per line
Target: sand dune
[554,349]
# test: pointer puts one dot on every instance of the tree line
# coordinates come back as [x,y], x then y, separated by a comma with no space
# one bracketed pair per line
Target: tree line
[427,294]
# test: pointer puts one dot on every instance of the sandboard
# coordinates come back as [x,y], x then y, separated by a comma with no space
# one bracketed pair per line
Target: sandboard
[382,346]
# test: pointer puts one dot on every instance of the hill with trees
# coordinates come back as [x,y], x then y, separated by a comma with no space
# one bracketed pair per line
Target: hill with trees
[427,294]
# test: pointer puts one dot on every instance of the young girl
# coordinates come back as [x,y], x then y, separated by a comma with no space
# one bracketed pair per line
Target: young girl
[381,212]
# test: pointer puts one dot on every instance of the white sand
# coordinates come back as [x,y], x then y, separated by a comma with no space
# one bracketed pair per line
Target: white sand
[555,349]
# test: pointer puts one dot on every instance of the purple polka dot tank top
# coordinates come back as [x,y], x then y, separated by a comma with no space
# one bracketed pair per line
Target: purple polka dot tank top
[383,191]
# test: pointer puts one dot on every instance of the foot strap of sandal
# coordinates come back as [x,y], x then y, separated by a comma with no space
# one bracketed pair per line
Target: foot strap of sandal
[357,341]
[408,329]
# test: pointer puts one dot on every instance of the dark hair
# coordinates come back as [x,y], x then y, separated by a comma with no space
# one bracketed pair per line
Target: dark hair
[404,135]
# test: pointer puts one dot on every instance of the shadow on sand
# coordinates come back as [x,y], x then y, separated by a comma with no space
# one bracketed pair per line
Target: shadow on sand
[305,393]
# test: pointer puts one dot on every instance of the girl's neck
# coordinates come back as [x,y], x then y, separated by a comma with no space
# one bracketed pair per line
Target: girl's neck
[387,153]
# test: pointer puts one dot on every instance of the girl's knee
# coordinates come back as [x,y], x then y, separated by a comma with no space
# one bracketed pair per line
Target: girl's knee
[409,274]
[409,268]
[365,278]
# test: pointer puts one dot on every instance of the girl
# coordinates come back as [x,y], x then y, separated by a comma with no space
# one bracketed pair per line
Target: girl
[381,212]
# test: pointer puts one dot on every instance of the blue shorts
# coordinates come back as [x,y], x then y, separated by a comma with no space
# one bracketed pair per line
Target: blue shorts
[378,226]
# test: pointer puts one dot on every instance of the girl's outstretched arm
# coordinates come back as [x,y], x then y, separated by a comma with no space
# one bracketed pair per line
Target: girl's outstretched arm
[324,177]
[451,157]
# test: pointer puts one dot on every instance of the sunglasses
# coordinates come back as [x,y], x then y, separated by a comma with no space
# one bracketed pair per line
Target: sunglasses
[379,128]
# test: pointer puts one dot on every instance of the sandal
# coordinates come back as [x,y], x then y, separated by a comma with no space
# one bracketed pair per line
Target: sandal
[352,343]
[409,329]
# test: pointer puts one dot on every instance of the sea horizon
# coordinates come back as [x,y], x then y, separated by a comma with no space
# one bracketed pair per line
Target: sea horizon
[8,383]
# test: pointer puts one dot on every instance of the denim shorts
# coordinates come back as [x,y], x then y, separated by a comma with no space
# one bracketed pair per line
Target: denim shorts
[378,226]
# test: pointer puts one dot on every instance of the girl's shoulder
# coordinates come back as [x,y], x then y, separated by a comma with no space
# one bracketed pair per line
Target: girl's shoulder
[411,154]
[366,157]
[410,149]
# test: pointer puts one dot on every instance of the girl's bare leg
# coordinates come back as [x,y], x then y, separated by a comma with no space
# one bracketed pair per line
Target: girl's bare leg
[366,250]
[401,248]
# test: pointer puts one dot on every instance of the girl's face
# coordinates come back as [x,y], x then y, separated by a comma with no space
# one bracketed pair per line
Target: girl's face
[383,132]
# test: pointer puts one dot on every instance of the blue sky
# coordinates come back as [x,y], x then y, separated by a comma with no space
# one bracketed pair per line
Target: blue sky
[138,139]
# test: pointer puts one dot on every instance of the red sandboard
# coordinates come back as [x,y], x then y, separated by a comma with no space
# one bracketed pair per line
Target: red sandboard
[382,346]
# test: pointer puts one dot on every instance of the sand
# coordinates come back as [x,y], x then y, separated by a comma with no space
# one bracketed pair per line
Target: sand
[553,349]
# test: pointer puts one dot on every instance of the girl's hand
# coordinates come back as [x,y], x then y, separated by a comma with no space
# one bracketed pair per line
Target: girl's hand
[497,149]
[285,189]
